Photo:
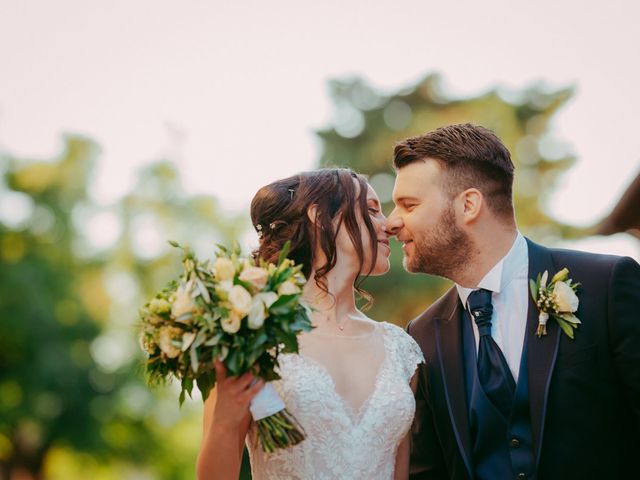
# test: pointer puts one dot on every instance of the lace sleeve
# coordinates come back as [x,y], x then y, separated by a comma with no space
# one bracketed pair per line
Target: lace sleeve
[407,351]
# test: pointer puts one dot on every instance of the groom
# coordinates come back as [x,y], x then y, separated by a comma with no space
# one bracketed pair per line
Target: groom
[495,400]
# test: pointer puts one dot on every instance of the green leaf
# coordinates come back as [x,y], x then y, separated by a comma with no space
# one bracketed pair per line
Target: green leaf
[258,339]
[284,252]
[202,334]
[205,383]
[185,317]
[565,326]
[534,289]
[560,276]
[301,323]
[246,285]
[203,291]
[253,356]
[233,362]
[224,352]
[187,385]
[570,317]
[213,340]
[289,340]
[175,244]
[193,356]
[284,305]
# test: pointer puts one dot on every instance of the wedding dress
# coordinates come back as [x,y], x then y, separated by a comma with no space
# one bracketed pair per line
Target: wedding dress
[353,423]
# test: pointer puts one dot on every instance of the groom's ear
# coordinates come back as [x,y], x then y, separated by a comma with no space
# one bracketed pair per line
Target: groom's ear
[469,205]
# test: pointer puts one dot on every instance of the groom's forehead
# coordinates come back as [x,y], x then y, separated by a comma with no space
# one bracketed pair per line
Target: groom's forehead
[416,178]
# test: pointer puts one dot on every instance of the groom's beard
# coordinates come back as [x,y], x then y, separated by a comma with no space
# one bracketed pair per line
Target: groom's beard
[442,250]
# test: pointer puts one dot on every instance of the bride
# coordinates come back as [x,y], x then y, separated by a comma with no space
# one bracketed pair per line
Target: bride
[350,387]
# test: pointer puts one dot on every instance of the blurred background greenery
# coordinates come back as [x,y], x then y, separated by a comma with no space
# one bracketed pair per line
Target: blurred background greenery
[73,399]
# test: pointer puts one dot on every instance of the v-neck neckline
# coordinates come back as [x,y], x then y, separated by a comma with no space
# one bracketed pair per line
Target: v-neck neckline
[355,415]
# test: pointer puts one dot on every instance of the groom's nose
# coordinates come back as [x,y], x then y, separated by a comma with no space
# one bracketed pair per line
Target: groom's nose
[394,223]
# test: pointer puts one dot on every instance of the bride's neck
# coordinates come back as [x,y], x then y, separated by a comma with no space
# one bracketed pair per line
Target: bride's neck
[336,304]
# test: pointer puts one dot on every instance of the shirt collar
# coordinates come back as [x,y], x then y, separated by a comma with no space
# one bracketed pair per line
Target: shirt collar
[511,266]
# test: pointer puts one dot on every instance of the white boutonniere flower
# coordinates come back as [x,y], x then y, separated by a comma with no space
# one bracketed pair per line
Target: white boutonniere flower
[556,299]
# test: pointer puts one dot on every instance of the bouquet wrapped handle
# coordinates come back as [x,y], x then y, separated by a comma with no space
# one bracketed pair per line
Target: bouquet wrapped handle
[277,428]
[266,403]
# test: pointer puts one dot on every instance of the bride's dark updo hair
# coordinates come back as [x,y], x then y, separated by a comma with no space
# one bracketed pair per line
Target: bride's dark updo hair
[279,213]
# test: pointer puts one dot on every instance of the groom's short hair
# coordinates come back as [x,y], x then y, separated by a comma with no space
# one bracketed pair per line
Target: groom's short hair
[471,157]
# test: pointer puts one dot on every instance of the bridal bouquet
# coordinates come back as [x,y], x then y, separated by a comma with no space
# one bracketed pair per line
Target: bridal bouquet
[234,310]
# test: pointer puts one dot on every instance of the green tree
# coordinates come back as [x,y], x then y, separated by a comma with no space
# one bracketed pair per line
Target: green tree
[46,368]
[368,123]
[71,383]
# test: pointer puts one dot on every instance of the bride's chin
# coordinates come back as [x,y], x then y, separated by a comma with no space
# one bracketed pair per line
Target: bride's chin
[381,268]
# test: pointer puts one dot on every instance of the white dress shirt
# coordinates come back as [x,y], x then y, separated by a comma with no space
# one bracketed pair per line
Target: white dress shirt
[508,280]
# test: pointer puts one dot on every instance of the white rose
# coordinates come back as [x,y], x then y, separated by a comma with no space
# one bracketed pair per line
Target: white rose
[565,297]
[256,276]
[268,298]
[257,314]
[240,299]
[223,269]
[182,301]
[165,342]
[288,288]
[231,324]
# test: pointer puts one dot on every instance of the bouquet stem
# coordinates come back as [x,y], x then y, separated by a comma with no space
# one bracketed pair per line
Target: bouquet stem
[280,430]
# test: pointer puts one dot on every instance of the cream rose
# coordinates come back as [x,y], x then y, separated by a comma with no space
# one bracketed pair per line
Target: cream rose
[231,324]
[565,298]
[256,276]
[288,288]
[223,269]
[240,300]
[183,301]
[257,313]
[165,341]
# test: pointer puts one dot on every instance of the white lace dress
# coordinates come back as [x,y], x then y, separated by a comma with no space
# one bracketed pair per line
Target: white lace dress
[343,442]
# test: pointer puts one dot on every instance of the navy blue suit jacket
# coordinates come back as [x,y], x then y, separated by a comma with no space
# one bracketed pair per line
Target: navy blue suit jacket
[584,394]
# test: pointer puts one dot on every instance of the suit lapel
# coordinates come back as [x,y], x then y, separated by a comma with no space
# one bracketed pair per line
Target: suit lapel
[449,346]
[542,352]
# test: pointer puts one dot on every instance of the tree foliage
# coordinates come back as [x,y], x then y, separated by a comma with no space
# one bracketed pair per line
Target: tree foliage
[70,367]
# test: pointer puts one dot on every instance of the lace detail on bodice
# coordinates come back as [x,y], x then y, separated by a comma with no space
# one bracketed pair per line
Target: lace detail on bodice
[342,443]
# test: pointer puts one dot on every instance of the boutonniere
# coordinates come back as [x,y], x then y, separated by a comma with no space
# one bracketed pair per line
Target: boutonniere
[556,299]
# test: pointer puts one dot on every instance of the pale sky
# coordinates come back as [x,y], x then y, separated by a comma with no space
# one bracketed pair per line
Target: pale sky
[233,90]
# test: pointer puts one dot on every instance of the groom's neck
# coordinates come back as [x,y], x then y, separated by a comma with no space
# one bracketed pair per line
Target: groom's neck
[490,245]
